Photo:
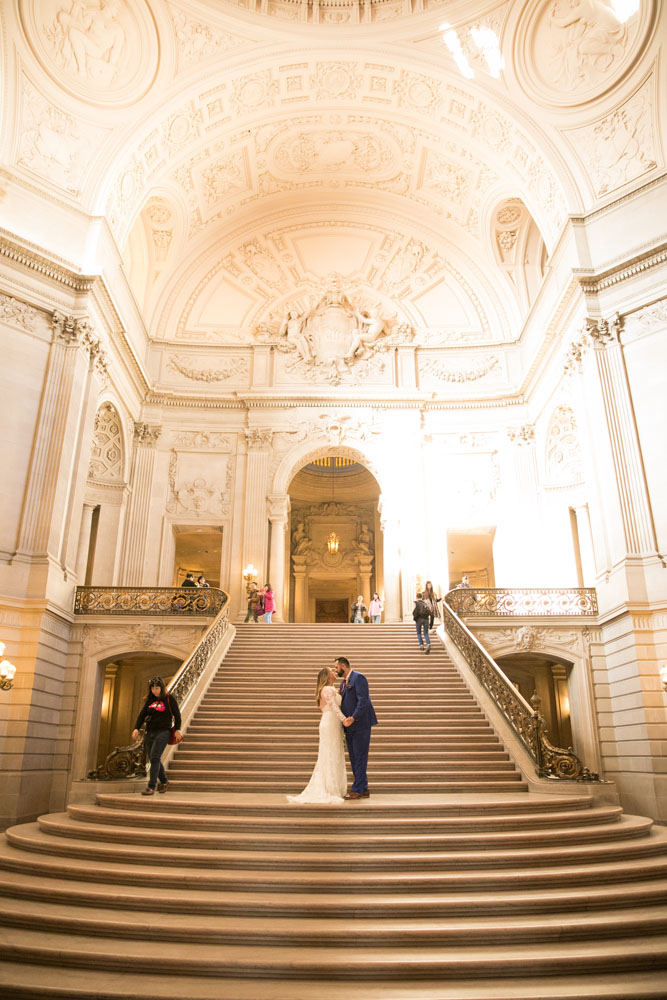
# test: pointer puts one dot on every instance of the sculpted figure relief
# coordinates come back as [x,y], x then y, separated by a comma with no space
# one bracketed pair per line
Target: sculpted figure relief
[589,39]
[89,38]
[334,332]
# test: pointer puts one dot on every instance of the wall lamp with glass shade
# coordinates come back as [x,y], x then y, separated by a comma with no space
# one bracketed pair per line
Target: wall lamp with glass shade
[7,671]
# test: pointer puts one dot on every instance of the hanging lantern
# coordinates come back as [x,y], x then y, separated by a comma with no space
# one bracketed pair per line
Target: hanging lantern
[333,541]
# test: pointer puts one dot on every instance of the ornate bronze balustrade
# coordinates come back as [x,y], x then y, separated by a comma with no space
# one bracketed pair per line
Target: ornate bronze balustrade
[538,602]
[550,761]
[148,600]
[130,761]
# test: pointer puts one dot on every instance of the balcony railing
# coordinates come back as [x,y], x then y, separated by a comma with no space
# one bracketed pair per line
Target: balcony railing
[537,602]
[526,720]
[148,600]
[130,761]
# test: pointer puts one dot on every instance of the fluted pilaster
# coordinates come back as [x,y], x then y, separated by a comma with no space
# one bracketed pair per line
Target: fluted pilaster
[141,484]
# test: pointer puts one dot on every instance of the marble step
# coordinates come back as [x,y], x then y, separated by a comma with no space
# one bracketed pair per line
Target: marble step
[331,932]
[75,823]
[79,984]
[188,897]
[57,837]
[381,963]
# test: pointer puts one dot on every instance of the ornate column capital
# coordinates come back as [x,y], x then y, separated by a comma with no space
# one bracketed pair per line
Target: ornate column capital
[146,434]
[258,437]
[523,435]
[73,331]
[602,332]
[278,508]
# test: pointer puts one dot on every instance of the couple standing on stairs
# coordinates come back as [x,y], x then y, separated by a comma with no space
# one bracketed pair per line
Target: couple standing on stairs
[347,708]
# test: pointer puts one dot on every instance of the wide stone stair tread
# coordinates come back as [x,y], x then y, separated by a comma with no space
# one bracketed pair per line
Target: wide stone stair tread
[330,932]
[435,873]
[399,807]
[295,822]
[188,898]
[430,841]
[75,984]
[419,962]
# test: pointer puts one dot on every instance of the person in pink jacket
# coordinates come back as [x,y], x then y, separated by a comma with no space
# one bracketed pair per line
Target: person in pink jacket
[269,603]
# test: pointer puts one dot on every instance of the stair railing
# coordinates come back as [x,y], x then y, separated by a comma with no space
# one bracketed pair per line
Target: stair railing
[529,601]
[130,761]
[526,720]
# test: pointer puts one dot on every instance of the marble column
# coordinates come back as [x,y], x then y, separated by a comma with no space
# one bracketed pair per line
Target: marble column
[392,567]
[365,572]
[635,508]
[278,515]
[256,525]
[300,588]
[75,352]
[138,511]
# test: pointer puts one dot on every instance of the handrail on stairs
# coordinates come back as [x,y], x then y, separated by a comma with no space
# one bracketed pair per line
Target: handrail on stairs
[526,720]
[130,761]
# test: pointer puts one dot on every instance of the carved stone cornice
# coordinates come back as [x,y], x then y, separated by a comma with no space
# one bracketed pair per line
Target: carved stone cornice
[56,268]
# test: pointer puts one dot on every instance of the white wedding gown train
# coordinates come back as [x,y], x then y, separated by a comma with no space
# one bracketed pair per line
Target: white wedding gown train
[328,782]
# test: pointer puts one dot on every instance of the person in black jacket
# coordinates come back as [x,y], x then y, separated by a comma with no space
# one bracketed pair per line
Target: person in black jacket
[420,615]
[158,711]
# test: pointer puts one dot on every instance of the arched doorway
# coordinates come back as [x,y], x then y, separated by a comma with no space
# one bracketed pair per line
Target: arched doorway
[124,688]
[546,676]
[335,538]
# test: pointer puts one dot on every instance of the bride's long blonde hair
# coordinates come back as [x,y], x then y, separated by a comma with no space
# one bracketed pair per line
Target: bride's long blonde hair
[322,681]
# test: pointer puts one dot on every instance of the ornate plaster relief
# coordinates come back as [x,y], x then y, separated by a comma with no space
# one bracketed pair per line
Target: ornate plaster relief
[621,146]
[103,51]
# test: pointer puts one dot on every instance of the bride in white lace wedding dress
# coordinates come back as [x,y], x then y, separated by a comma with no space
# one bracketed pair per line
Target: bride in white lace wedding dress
[328,782]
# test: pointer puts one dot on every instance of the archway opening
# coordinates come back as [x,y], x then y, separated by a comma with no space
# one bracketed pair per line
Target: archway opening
[335,539]
[124,688]
[547,677]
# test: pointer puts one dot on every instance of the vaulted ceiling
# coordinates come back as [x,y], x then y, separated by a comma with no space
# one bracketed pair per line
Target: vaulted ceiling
[240,153]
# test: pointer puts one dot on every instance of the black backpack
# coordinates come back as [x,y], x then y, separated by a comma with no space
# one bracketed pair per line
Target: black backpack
[420,611]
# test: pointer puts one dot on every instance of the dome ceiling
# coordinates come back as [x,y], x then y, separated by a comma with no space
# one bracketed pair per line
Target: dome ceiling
[243,153]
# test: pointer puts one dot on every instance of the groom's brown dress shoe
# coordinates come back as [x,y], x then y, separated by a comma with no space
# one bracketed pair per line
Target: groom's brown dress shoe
[353,795]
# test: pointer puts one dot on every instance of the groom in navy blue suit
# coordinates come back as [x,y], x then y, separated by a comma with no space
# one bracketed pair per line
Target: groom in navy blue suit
[359,714]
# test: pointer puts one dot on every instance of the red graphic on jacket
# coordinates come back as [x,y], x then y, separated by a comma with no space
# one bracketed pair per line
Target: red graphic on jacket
[159,706]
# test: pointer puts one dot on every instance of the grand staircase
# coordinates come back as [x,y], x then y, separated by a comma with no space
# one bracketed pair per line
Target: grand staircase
[451,882]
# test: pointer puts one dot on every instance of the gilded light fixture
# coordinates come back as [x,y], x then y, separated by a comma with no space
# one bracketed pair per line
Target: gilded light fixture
[333,541]
[249,576]
[7,671]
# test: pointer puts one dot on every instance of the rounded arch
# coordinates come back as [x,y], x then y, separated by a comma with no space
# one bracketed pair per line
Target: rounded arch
[109,452]
[304,453]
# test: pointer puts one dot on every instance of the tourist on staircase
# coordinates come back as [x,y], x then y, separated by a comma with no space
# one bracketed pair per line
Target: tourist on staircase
[269,598]
[431,601]
[375,609]
[420,614]
[160,713]
[358,611]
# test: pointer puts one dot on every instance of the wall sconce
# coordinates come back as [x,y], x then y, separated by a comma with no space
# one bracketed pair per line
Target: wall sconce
[663,676]
[333,541]
[249,576]
[7,671]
